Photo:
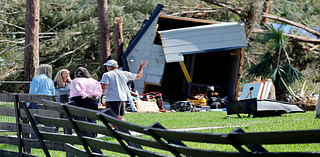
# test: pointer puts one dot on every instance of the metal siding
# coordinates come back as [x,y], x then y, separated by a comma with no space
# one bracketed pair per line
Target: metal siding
[154,17]
[203,31]
[204,39]
[180,49]
[201,39]
[176,57]
[153,79]
[145,50]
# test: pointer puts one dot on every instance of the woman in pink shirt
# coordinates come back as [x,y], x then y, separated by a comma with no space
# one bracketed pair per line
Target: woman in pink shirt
[84,90]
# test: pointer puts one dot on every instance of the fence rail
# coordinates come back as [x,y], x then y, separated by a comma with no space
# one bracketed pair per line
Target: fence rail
[152,141]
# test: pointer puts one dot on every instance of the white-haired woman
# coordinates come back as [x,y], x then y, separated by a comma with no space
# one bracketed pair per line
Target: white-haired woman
[42,84]
[62,83]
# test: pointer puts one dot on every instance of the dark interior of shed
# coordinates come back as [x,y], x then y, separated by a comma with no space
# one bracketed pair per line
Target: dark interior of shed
[218,69]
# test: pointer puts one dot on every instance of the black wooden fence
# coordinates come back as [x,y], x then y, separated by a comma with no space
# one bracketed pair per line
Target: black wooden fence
[148,141]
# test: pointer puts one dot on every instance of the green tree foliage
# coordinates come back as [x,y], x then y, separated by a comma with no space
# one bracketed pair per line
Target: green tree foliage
[276,62]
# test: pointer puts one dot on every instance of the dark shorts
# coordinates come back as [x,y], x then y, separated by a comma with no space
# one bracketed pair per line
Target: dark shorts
[116,106]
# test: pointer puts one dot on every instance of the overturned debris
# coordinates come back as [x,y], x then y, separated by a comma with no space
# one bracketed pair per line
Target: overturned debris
[261,108]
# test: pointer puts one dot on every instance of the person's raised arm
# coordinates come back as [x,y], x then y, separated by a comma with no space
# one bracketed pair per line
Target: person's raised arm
[140,71]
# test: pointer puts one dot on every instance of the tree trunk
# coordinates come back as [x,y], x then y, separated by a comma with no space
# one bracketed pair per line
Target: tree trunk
[31,51]
[104,41]
[266,10]
[254,17]
[118,39]
[318,107]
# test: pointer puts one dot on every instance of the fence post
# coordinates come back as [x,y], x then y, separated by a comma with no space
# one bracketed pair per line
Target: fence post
[318,110]
[19,129]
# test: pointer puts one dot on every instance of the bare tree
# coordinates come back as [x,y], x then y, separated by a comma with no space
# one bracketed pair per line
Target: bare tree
[266,10]
[31,51]
[104,41]
[118,38]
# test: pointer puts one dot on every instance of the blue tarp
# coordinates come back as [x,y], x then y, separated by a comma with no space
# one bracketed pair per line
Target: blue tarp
[288,29]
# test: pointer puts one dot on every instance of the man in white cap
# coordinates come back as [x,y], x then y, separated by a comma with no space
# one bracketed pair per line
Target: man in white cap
[114,84]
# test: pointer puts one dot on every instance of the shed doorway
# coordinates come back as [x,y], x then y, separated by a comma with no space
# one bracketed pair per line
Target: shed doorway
[217,68]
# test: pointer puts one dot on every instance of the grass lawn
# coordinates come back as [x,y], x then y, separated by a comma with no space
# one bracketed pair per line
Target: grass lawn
[293,121]
[174,120]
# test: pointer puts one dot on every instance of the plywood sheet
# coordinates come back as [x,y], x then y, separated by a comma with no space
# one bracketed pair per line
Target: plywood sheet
[146,106]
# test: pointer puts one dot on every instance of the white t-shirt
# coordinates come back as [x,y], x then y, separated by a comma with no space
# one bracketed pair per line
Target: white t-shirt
[116,80]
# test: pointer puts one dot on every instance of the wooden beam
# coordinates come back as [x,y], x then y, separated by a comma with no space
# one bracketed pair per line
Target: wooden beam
[185,72]
[239,73]
[187,19]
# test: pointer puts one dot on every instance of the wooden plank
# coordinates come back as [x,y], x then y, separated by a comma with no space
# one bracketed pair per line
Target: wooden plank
[79,111]
[52,105]
[4,111]
[11,112]
[97,143]
[34,98]
[33,143]
[43,112]
[141,141]
[26,128]
[278,137]
[144,153]
[71,139]
[8,140]
[187,19]
[65,123]
[8,126]
[191,136]
[145,106]
[7,97]
[124,124]
[51,145]
[64,138]
[74,150]
[187,151]
[6,153]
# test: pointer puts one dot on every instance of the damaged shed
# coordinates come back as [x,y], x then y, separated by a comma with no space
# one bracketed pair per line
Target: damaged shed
[186,55]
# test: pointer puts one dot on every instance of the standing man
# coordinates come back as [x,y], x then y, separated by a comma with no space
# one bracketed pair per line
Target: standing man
[114,84]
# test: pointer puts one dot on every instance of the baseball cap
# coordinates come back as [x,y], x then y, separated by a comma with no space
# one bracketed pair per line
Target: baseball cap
[111,63]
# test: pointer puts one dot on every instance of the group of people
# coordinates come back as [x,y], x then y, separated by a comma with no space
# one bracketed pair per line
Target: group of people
[83,90]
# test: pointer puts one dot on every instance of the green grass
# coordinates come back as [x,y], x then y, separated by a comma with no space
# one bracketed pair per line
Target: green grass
[173,120]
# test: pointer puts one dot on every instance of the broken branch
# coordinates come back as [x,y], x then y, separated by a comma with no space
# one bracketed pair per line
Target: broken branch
[292,23]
